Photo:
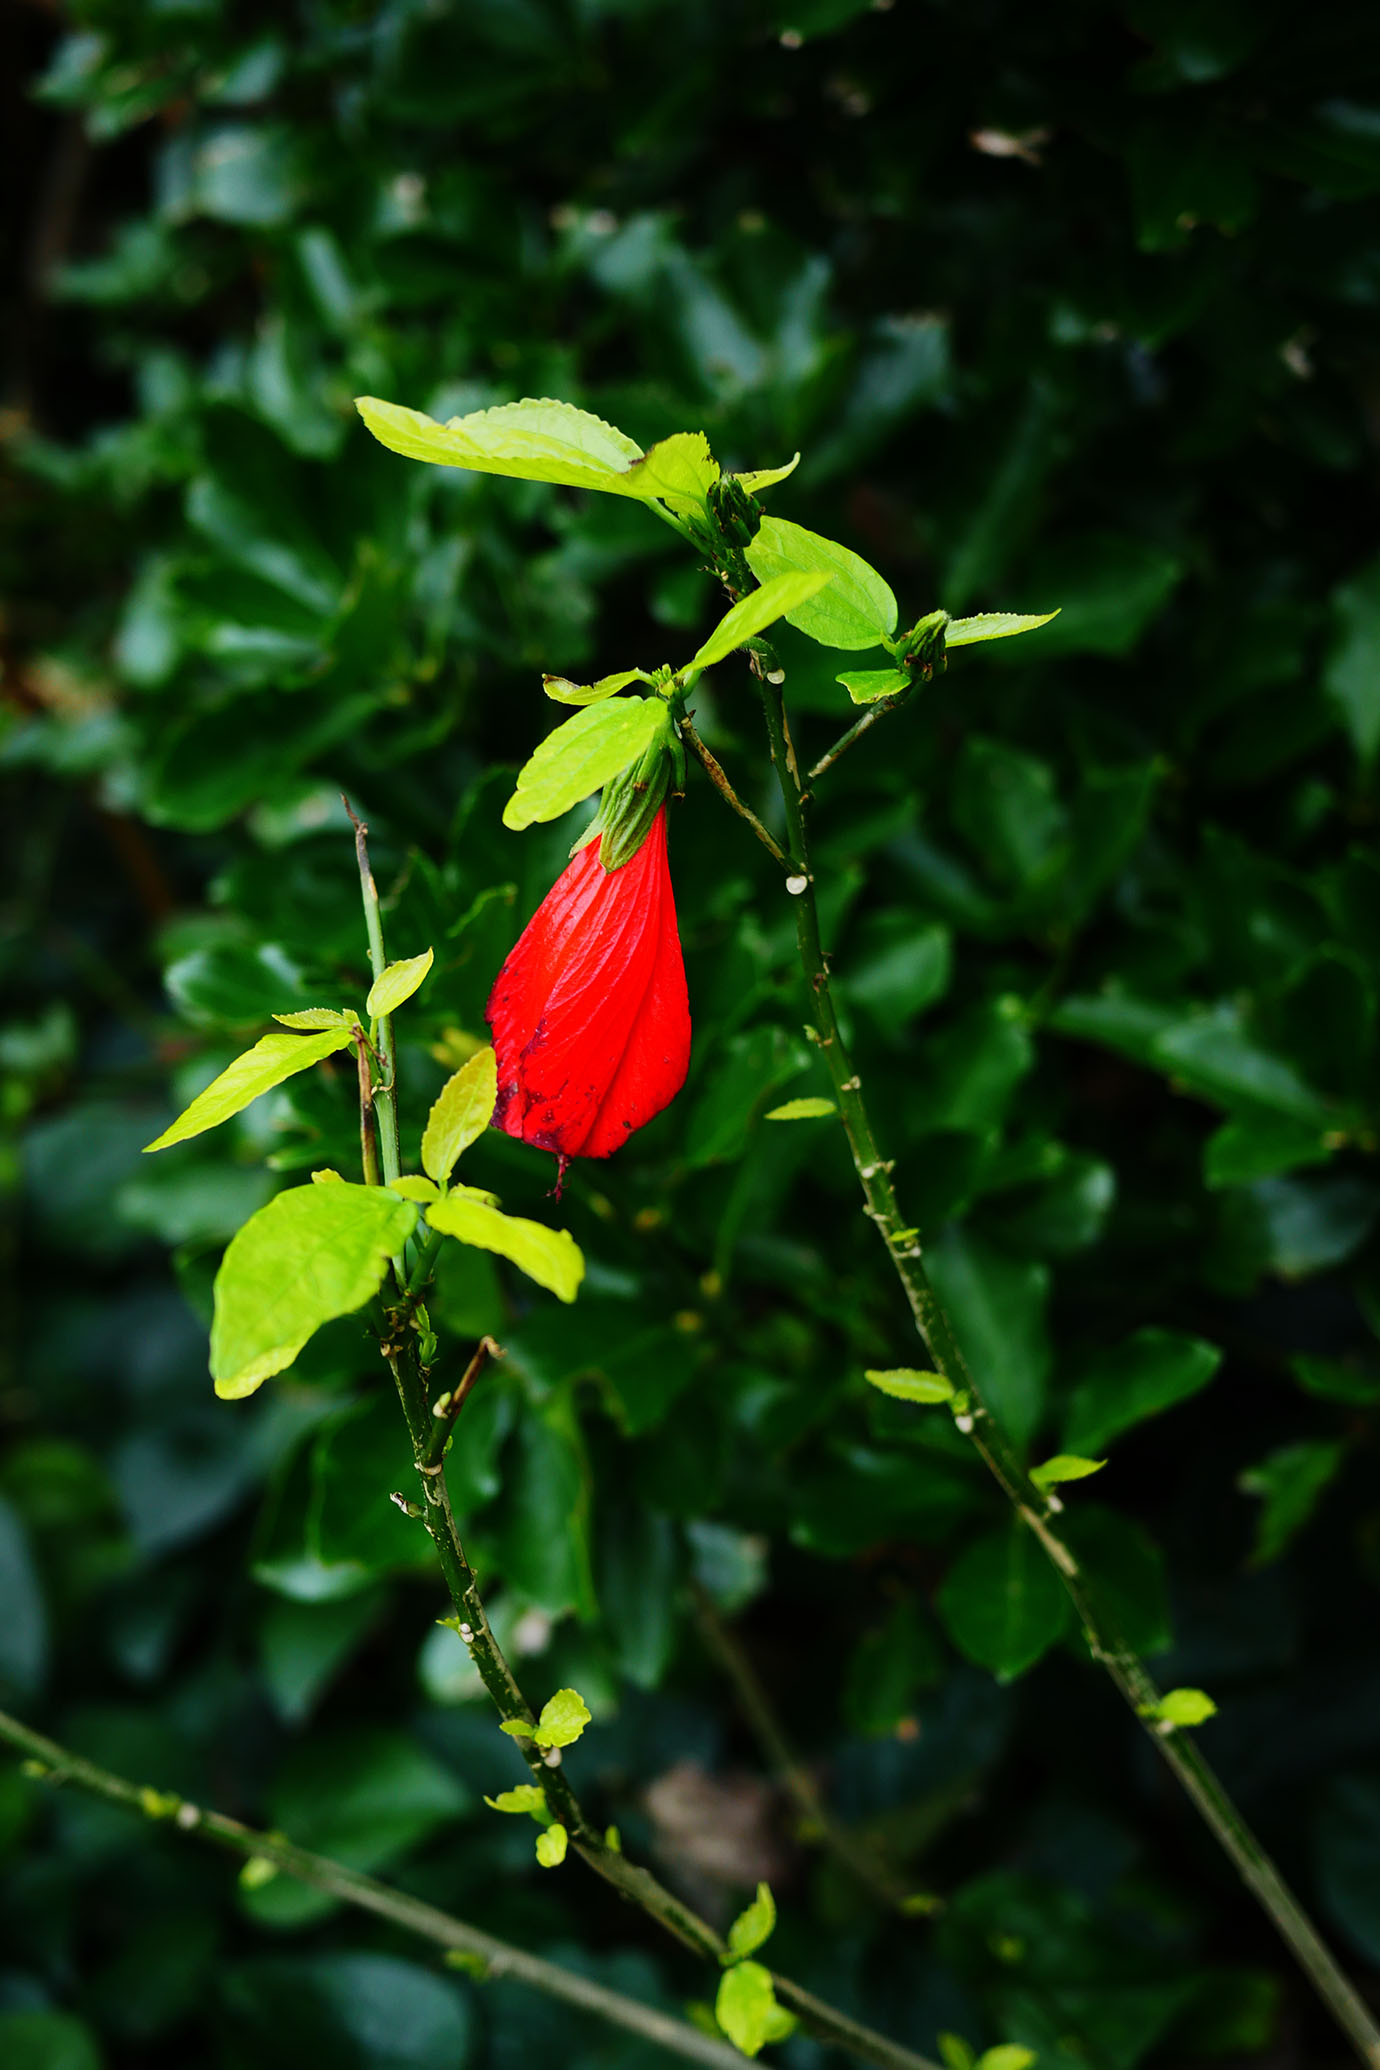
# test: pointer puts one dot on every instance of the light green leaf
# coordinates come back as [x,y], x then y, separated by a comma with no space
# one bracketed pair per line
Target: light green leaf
[313,1017]
[958,2054]
[517,1728]
[1183,1707]
[866,685]
[308,1256]
[991,625]
[754,1925]
[563,691]
[1008,2055]
[327,1176]
[809,1109]
[747,2010]
[397,983]
[460,1114]
[1064,1466]
[552,1845]
[581,755]
[856,610]
[679,471]
[562,1720]
[753,613]
[909,1386]
[529,441]
[758,478]
[272,1059]
[412,1188]
[549,1256]
[526,1797]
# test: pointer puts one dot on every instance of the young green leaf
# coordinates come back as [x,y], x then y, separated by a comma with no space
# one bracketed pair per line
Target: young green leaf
[909,1386]
[991,625]
[272,1059]
[460,1114]
[529,441]
[1183,1707]
[866,685]
[679,471]
[552,1844]
[812,1108]
[754,1925]
[563,691]
[759,478]
[311,1254]
[562,1720]
[581,755]
[958,2054]
[1064,1466]
[753,613]
[313,1017]
[856,610]
[526,1797]
[549,1256]
[747,2010]
[410,1187]
[1007,2055]
[397,983]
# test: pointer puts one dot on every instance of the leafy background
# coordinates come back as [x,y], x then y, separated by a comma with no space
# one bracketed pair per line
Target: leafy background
[1075,305]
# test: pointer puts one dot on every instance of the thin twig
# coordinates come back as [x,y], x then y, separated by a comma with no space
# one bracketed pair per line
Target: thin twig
[49,1762]
[717,775]
[863,725]
[448,1406]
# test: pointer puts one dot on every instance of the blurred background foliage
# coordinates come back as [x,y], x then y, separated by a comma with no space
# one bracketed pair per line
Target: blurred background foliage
[1066,305]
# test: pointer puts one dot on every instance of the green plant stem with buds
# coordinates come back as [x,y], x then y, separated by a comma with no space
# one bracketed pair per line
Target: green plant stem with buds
[634,1883]
[55,1764]
[1031,1505]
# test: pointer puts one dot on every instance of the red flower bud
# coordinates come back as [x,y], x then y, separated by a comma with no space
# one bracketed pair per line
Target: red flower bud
[589,1014]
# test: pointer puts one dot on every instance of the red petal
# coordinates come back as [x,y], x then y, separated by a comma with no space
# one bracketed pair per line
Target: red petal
[566,1003]
[657,1057]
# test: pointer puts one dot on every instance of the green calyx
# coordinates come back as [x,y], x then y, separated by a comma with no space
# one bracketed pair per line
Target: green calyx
[921,650]
[633,798]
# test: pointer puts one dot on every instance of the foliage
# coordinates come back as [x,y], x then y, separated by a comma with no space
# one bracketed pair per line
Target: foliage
[1064,306]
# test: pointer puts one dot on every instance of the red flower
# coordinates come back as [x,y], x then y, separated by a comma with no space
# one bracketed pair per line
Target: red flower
[589,1014]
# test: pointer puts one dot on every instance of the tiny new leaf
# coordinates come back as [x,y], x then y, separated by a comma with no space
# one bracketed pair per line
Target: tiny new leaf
[272,1059]
[747,2010]
[410,1187]
[812,1108]
[396,984]
[460,1114]
[525,1797]
[1064,1466]
[991,625]
[310,1255]
[1007,2055]
[866,685]
[777,598]
[1183,1707]
[857,609]
[562,1721]
[549,1256]
[535,440]
[909,1386]
[551,1845]
[582,755]
[754,1925]
[563,691]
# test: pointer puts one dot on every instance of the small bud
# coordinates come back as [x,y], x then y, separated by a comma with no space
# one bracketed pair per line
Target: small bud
[795,885]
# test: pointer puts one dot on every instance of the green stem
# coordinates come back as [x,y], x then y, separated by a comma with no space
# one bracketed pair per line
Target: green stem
[863,725]
[56,1764]
[977,1423]
[714,770]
